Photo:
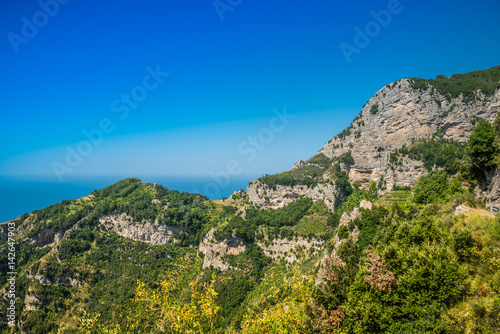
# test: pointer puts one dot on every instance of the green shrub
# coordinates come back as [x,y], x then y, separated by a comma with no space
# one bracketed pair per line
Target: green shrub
[462,242]
[462,84]
[347,158]
[431,187]
[481,147]
[343,233]
[437,152]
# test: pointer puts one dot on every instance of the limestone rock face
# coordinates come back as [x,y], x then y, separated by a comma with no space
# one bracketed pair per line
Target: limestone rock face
[396,115]
[263,196]
[291,250]
[366,205]
[45,237]
[214,250]
[298,164]
[404,115]
[461,209]
[332,258]
[31,303]
[44,280]
[493,198]
[145,231]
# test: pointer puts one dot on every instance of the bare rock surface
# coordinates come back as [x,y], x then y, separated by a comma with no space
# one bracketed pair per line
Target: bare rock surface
[292,250]
[146,231]
[214,250]
[364,204]
[331,257]
[461,209]
[263,196]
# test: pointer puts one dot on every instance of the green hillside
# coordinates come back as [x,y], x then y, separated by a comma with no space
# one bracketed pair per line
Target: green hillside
[423,269]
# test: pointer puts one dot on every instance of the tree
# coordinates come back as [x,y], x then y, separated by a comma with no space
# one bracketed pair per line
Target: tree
[200,315]
[284,310]
[347,158]
[431,187]
[481,148]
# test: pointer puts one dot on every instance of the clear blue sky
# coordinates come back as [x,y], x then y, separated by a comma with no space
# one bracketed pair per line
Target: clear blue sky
[73,73]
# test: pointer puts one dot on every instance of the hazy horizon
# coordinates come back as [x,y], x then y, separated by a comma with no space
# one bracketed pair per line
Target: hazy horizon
[190,87]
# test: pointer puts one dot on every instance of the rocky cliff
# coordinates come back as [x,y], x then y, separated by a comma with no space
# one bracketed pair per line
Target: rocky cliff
[281,196]
[396,116]
[214,250]
[145,230]
[331,258]
[290,250]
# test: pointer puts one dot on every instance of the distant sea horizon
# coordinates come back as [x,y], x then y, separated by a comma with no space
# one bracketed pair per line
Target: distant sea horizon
[21,194]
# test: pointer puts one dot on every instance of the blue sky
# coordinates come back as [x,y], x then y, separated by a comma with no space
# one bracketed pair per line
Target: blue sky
[75,70]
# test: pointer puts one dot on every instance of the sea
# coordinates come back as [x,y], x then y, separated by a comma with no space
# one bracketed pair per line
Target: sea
[22,194]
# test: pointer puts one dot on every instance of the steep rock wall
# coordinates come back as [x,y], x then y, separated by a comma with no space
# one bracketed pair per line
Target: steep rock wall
[145,231]
[263,196]
[214,250]
[403,116]
[291,250]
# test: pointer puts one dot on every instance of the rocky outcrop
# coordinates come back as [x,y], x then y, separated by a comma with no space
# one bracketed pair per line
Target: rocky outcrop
[263,196]
[364,204]
[331,258]
[461,209]
[45,237]
[298,164]
[493,198]
[44,280]
[214,250]
[31,303]
[291,250]
[146,231]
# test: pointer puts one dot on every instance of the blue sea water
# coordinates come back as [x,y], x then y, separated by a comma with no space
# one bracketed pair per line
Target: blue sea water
[19,195]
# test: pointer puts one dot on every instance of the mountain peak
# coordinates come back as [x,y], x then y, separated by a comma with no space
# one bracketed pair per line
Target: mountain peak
[397,116]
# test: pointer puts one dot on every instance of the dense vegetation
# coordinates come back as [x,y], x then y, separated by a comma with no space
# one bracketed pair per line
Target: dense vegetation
[419,270]
[412,268]
[466,84]
[436,153]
